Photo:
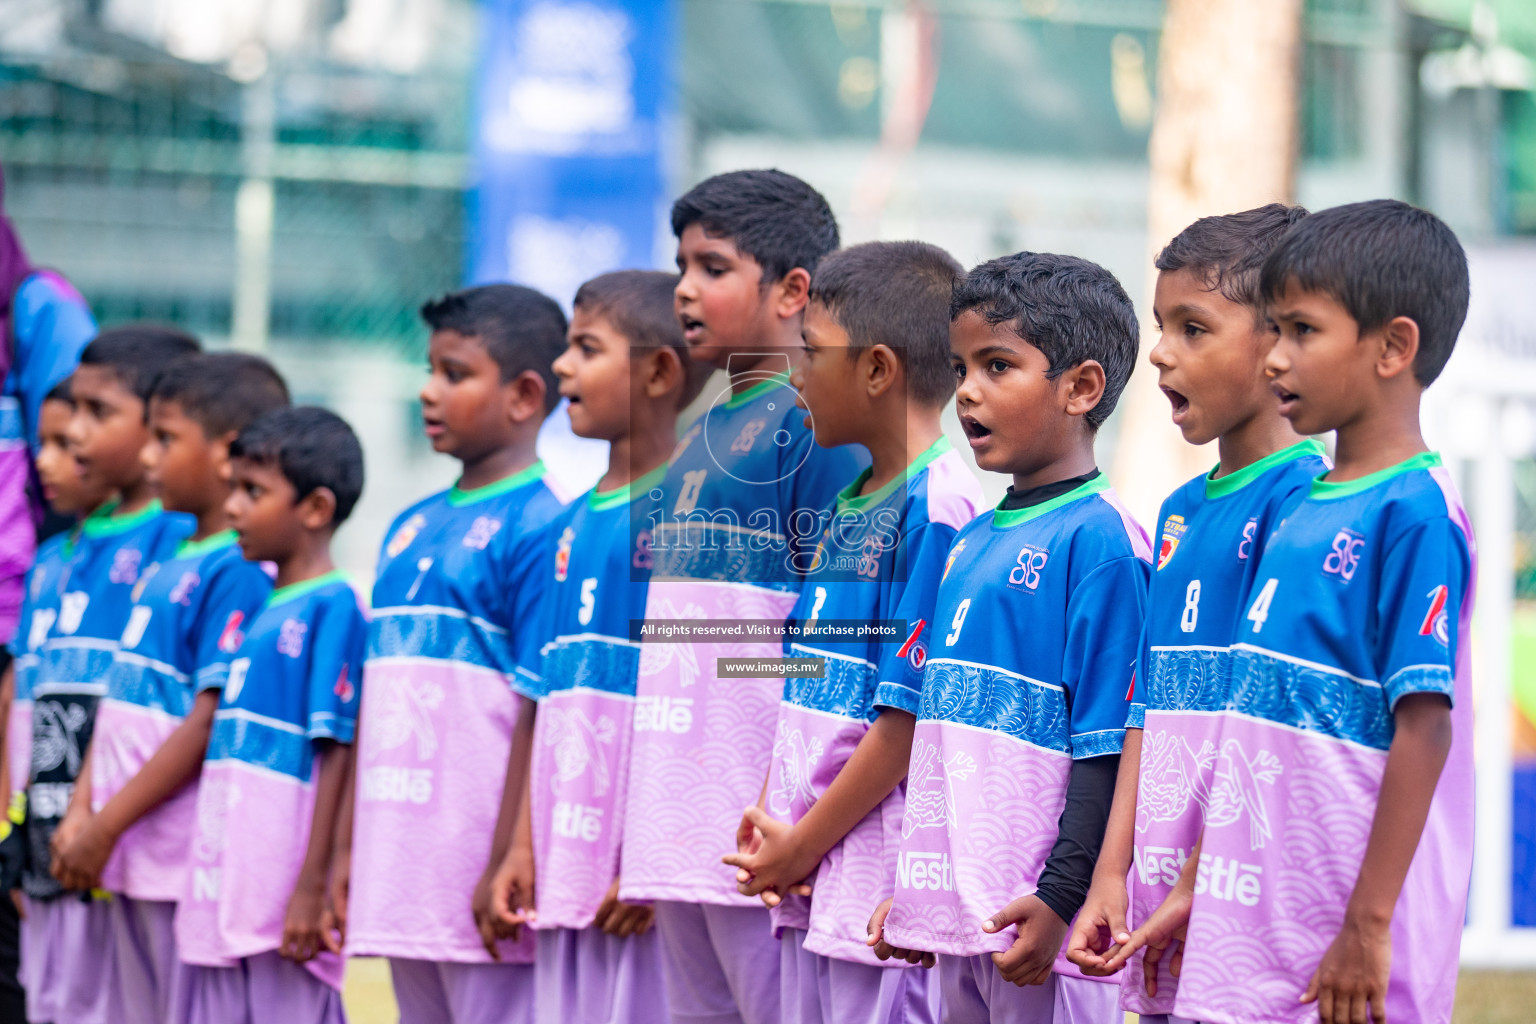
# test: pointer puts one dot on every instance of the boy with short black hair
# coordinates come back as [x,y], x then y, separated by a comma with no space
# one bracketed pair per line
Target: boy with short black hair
[108,431]
[626,373]
[249,928]
[1020,727]
[68,494]
[740,513]
[1210,362]
[1352,710]
[163,688]
[876,373]
[458,587]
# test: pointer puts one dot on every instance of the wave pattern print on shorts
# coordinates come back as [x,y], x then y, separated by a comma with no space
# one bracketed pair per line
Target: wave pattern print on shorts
[1363,595]
[188,611]
[725,537]
[880,558]
[1213,535]
[456,588]
[1035,635]
[292,681]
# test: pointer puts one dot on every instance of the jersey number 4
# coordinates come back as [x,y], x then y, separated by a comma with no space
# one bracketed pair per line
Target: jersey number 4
[1259,613]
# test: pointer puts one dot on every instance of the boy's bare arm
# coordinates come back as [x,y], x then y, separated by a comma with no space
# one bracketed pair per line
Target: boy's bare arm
[490,903]
[788,854]
[1101,923]
[333,929]
[303,928]
[176,763]
[1352,978]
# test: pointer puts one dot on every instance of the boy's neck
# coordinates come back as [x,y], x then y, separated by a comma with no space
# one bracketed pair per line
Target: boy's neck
[498,464]
[311,559]
[1260,437]
[1376,442]
[1078,461]
[638,453]
[210,521]
[890,455]
[135,497]
[747,367]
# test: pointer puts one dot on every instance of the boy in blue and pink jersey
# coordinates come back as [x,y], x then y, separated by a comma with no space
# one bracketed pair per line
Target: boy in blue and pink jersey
[1025,688]
[626,373]
[1210,362]
[740,514]
[1333,869]
[154,719]
[67,493]
[250,927]
[458,589]
[875,373]
[67,939]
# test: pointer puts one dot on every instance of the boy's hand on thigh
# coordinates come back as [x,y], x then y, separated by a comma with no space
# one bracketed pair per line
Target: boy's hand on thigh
[615,917]
[1100,926]
[303,925]
[333,924]
[1350,985]
[1030,959]
[884,950]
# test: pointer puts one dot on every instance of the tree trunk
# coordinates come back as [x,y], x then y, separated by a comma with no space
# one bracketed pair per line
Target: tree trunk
[1223,140]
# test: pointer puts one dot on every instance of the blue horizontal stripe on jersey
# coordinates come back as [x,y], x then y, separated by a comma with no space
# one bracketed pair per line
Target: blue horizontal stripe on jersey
[76,661]
[146,683]
[438,634]
[895,695]
[844,691]
[989,698]
[11,427]
[606,664]
[256,739]
[701,550]
[1309,697]
[1187,678]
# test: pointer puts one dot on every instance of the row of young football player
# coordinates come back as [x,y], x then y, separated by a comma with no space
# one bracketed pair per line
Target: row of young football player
[620,795]
[183,692]
[626,765]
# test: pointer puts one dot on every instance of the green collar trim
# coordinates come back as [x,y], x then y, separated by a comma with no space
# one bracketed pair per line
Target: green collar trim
[1327,490]
[850,500]
[1005,518]
[104,523]
[458,496]
[599,501]
[296,590]
[762,387]
[1221,486]
[212,542]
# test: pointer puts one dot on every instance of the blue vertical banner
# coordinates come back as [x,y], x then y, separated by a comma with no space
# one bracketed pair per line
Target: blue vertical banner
[569,154]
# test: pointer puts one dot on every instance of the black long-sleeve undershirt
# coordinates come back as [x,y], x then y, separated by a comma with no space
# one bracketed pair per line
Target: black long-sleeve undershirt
[1068,870]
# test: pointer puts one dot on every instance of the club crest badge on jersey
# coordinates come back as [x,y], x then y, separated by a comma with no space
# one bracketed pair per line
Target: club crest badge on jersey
[405,535]
[913,650]
[1437,621]
[231,638]
[563,554]
[949,563]
[344,688]
[1173,532]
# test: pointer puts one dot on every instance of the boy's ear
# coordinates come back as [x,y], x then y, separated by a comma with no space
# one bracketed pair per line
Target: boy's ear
[524,396]
[221,453]
[317,508]
[1399,347]
[1081,387]
[663,372]
[791,292]
[881,369]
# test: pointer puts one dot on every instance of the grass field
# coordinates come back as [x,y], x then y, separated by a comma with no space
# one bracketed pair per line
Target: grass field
[1483,997]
